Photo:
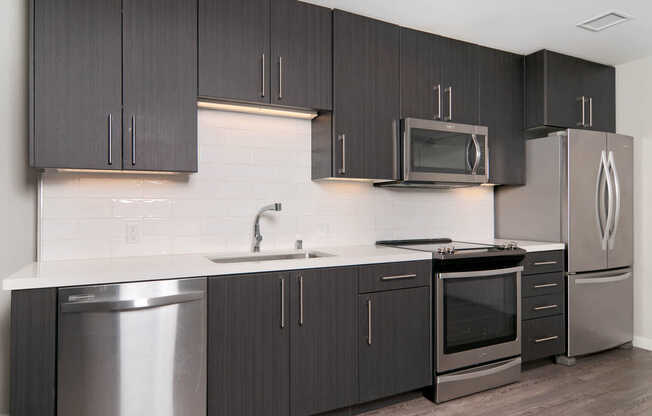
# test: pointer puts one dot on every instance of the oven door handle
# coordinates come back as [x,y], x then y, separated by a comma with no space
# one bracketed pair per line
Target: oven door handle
[480,273]
[500,367]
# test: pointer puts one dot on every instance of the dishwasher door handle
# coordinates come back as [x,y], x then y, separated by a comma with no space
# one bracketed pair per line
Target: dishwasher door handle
[130,304]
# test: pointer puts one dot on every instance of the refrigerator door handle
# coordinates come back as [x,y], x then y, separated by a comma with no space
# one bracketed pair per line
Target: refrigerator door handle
[611,167]
[599,189]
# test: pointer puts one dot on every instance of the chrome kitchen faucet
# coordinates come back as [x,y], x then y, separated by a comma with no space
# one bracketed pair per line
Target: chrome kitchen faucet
[257,237]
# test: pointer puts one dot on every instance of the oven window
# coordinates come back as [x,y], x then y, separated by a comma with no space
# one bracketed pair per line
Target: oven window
[479,312]
[444,152]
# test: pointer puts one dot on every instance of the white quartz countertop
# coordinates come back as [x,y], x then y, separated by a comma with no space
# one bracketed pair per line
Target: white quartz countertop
[533,246]
[133,269]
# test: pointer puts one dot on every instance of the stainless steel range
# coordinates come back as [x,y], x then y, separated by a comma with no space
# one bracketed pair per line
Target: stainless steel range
[476,314]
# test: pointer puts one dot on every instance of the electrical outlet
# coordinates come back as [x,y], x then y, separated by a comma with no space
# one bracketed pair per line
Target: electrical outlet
[133,233]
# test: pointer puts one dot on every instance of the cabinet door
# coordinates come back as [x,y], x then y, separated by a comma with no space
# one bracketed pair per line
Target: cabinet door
[564,87]
[234,54]
[501,110]
[600,86]
[249,345]
[394,342]
[366,97]
[421,75]
[301,55]
[160,85]
[77,81]
[460,82]
[323,340]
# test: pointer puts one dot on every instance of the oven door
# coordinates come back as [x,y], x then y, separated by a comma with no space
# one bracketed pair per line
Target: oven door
[478,317]
[434,151]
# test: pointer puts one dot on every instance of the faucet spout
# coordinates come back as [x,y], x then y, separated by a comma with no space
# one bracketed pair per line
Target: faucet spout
[257,236]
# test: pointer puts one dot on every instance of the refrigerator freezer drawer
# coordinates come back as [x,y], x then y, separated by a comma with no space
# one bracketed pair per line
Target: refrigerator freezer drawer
[600,311]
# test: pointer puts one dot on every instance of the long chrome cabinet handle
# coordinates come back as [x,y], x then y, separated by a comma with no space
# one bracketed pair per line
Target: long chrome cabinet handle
[133,140]
[130,304]
[342,138]
[282,302]
[395,149]
[545,285]
[280,77]
[449,90]
[543,308]
[110,139]
[438,89]
[544,263]
[590,111]
[262,78]
[611,167]
[369,321]
[546,339]
[399,276]
[582,100]
[300,300]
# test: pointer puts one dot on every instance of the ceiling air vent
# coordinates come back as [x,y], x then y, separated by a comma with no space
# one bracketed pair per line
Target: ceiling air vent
[604,21]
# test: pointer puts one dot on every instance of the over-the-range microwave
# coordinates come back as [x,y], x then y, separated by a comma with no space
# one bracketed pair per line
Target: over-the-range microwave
[439,154]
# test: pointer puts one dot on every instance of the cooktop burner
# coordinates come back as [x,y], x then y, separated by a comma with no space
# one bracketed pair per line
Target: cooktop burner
[445,249]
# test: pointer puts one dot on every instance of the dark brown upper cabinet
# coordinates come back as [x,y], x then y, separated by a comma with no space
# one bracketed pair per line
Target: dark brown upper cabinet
[501,110]
[567,92]
[358,140]
[75,88]
[265,52]
[301,55]
[160,84]
[89,59]
[439,78]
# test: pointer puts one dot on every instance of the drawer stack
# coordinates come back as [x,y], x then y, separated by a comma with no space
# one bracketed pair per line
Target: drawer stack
[543,305]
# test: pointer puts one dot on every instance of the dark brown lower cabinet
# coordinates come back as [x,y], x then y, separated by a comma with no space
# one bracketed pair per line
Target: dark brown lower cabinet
[393,342]
[249,345]
[33,352]
[323,332]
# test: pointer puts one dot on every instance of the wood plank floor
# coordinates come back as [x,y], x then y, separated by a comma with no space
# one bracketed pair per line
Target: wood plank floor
[617,382]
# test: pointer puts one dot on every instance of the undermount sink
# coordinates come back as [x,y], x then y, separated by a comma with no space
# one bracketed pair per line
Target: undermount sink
[270,257]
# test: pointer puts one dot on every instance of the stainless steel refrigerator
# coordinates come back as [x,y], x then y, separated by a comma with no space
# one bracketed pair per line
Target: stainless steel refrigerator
[579,190]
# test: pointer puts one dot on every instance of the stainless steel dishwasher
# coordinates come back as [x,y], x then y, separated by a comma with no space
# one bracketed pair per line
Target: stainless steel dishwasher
[133,349]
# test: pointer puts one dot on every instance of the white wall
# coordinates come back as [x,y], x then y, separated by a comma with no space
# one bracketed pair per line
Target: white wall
[633,110]
[17,191]
[245,162]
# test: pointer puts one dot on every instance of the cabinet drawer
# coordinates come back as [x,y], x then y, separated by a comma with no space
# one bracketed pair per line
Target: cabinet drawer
[540,306]
[543,337]
[389,276]
[544,262]
[543,284]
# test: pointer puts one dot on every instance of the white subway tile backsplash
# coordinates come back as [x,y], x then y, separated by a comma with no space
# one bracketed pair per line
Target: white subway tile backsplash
[245,162]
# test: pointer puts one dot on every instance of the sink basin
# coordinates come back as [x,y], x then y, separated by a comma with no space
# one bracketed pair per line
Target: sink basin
[270,257]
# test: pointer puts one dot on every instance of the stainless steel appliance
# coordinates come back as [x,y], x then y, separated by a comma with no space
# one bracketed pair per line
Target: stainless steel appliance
[439,154]
[477,315]
[580,191]
[132,349]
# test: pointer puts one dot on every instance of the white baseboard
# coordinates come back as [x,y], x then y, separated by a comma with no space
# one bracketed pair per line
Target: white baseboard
[642,342]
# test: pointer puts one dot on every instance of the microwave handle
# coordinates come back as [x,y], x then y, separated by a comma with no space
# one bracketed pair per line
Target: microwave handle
[478,154]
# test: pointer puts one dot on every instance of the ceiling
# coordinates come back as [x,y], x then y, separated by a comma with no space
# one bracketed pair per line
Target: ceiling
[522,26]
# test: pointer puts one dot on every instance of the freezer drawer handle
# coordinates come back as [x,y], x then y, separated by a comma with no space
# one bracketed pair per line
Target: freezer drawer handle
[544,263]
[399,276]
[537,341]
[130,304]
[541,308]
[613,279]
[546,285]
